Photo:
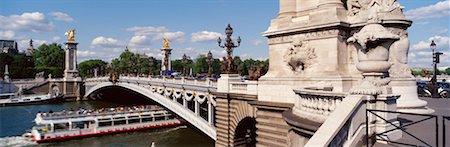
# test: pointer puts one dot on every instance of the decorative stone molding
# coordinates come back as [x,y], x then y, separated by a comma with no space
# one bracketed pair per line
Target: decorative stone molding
[309,36]
[300,56]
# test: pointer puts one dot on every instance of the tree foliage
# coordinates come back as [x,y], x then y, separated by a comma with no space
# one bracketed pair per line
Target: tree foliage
[129,62]
[50,59]
[20,65]
[86,67]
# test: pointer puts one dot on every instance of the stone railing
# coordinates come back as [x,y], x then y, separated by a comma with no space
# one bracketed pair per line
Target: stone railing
[181,81]
[344,127]
[316,105]
[244,87]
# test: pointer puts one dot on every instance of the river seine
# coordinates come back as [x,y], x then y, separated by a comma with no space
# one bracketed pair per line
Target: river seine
[16,120]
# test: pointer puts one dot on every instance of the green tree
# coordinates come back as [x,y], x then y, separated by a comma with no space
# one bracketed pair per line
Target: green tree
[447,71]
[50,59]
[20,66]
[200,65]
[89,65]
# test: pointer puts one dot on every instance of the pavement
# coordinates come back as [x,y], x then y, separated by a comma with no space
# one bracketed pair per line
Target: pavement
[426,130]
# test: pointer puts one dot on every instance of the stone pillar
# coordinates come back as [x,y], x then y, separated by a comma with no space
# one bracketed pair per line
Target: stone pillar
[184,102]
[71,71]
[196,105]
[6,74]
[209,113]
[287,8]
[330,4]
[166,52]
[223,83]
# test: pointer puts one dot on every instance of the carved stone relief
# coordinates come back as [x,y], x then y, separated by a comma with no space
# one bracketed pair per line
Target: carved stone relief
[373,10]
[398,54]
[300,56]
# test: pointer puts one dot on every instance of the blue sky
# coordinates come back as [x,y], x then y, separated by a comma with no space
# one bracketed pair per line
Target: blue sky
[105,27]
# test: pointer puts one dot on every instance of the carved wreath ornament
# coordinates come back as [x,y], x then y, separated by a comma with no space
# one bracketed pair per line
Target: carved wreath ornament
[300,56]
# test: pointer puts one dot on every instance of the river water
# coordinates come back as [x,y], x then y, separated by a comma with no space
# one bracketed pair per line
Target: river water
[16,120]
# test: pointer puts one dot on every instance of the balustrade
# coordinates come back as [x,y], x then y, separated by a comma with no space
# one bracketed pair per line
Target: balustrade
[317,105]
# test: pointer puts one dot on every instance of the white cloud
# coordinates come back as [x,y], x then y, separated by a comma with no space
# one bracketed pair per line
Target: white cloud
[55,38]
[139,41]
[257,42]
[179,36]
[85,54]
[24,43]
[107,42]
[440,9]
[8,34]
[205,36]
[443,31]
[146,34]
[62,16]
[148,30]
[443,42]
[34,22]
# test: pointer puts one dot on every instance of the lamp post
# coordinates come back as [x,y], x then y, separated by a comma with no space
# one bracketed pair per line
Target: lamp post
[229,45]
[150,66]
[433,83]
[184,62]
[209,60]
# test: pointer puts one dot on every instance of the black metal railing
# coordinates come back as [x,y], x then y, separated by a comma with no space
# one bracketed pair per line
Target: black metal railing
[444,120]
[401,127]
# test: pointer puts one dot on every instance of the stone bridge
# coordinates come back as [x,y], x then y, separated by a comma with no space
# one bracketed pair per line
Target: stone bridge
[192,100]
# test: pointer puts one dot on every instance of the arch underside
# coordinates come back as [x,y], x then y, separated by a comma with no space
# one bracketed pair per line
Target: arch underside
[175,107]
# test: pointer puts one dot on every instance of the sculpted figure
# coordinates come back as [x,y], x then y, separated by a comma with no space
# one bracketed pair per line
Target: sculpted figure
[166,43]
[299,56]
[398,54]
[70,35]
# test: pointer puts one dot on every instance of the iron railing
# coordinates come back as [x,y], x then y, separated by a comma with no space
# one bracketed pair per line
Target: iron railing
[378,136]
[444,119]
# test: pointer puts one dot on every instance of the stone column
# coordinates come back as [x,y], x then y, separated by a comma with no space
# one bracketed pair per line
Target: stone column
[209,113]
[287,8]
[71,71]
[196,105]
[6,74]
[331,4]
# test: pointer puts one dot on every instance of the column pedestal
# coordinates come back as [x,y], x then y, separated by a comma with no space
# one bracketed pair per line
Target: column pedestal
[409,100]
[223,83]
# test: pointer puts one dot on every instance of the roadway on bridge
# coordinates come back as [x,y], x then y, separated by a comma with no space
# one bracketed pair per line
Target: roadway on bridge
[426,130]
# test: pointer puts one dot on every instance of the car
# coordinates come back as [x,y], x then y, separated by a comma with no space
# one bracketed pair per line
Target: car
[443,89]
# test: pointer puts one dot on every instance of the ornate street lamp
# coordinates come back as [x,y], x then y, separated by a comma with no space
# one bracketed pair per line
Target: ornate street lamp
[229,45]
[150,66]
[209,60]
[433,83]
[184,62]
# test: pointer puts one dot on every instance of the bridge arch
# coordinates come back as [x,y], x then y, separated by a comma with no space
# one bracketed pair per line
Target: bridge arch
[178,109]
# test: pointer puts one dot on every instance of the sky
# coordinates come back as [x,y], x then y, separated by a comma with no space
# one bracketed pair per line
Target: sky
[105,27]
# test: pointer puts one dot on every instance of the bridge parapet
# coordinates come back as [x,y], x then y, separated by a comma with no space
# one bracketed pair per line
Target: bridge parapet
[244,87]
[193,100]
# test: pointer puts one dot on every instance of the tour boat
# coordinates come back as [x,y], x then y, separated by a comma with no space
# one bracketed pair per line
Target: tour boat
[69,124]
[20,100]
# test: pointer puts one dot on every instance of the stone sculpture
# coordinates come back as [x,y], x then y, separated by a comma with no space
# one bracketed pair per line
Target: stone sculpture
[373,42]
[70,35]
[255,71]
[299,56]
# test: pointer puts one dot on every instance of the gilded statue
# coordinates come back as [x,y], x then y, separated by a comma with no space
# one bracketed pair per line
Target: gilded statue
[166,43]
[70,35]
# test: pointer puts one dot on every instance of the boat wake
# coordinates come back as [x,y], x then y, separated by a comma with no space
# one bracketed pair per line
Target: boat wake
[16,141]
[174,129]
